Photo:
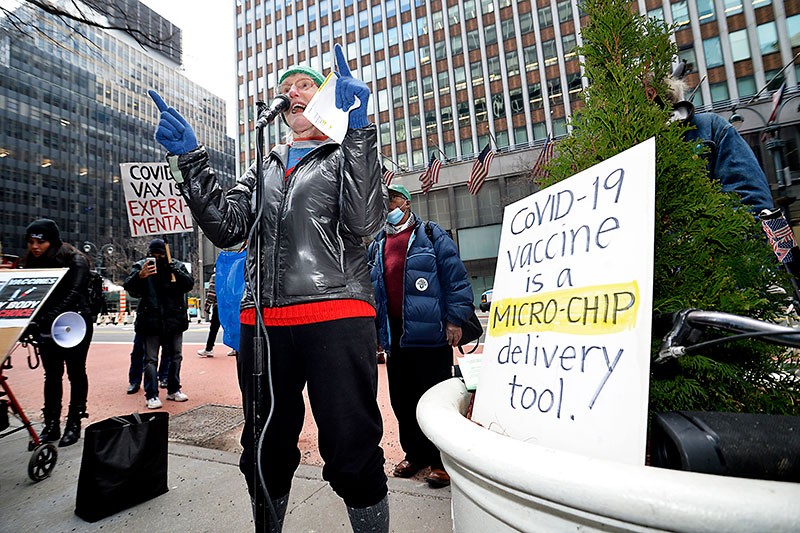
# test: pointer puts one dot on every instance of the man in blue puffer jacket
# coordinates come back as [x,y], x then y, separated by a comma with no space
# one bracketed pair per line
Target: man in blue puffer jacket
[423,297]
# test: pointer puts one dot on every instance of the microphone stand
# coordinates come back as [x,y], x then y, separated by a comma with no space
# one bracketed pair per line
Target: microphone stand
[262,502]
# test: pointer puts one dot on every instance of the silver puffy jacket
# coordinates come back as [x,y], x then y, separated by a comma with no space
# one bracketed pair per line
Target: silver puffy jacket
[313,220]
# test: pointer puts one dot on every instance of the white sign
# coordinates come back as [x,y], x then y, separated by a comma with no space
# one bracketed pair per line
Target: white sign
[22,293]
[152,200]
[567,351]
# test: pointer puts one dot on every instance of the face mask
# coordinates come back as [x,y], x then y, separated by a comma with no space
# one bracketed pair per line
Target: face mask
[395,216]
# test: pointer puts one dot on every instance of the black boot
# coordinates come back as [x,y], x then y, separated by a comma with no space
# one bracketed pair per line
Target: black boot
[72,430]
[372,519]
[52,426]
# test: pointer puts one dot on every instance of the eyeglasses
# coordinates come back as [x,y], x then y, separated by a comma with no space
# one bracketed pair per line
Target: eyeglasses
[303,84]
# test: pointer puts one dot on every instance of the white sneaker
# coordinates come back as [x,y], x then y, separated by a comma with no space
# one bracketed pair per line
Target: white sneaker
[205,353]
[177,397]
[154,403]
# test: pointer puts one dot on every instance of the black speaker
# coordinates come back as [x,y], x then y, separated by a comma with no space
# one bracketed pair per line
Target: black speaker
[754,446]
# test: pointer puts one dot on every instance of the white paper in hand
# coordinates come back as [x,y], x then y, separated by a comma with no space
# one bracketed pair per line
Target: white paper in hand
[322,112]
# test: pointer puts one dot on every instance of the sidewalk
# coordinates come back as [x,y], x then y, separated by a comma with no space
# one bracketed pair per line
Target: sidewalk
[207,491]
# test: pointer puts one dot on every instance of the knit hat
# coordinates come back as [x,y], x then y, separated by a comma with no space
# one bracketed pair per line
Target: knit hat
[157,245]
[44,229]
[302,69]
[399,189]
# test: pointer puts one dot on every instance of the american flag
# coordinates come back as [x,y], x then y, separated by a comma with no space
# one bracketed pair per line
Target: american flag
[388,176]
[781,237]
[480,169]
[544,157]
[430,177]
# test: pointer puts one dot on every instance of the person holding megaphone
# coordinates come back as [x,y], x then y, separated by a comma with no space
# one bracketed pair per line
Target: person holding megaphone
[316,302]
[46,250]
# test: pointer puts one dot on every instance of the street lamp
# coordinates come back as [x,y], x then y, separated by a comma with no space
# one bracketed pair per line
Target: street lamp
[98,254]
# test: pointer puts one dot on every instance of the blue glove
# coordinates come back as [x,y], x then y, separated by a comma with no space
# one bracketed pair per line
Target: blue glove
[347,88]
[173,132]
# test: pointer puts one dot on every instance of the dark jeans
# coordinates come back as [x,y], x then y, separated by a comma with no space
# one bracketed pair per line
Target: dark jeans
[54,359]
[213,329]
[172,342]
[411,372]
[136,370]
[336,361]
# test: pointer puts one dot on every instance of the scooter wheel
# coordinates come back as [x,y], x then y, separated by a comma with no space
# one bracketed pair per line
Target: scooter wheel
[42,462]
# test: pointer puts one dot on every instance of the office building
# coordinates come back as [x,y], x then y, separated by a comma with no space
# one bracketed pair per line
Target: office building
[73,106]
[449,76]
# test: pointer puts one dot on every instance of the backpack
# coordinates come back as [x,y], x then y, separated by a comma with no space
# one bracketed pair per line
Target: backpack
[95,293]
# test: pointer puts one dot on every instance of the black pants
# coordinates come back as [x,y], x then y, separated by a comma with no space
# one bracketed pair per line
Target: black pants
[136,370]
[411,372]
[174,344]
[336,361]
[213,328]
[54,359]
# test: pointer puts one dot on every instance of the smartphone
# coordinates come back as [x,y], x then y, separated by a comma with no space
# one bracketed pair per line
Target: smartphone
[151,261]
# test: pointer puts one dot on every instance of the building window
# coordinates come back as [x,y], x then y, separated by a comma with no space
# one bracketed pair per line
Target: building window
[427,86]
[554,91]
[363,19]
[394,65]
[408,32]
[569,42]
[455,44]
[545,16]
[466,147]
[397,96]
[487,6]
[376,14]
[480,109]
[574,84]
[705,11]
[440,50]
[424,55]
[438,20]
[656,14]
[689,56]
[713,52]
[520,135]
[512,63]
[550,53]
[564,11]
[768,38]
[452,15]
[476,71]
[411,89]
[793,28]
[746,86]
[391,34]
[473,41]
[490,34]
[535,95]
[411,60]
[416,129]
[732,7]
[405,5]
[444,82]
[400,130]
[508,30]
[386,135]
[680,13]
[422,26]
[525,22]
[529,55]
[460,76]
[495,71]
[719,92]
[469,9]
[464,113]
[517,101]
[740,46]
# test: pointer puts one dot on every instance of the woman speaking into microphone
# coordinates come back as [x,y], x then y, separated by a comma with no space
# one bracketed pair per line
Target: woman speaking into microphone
[319,200]
[45,250]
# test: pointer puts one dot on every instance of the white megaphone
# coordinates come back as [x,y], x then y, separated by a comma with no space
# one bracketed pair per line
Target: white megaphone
[68,329]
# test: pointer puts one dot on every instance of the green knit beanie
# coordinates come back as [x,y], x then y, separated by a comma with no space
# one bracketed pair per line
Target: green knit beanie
[308,71]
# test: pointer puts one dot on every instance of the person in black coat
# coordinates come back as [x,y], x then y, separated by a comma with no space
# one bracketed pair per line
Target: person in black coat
[161,316]
[45,250]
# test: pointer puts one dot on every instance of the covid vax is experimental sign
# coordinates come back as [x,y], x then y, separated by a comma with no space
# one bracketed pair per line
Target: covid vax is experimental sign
[152,200]
[566,358]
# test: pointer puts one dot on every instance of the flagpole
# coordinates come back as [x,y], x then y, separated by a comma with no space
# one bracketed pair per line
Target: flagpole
[790,63]
[389,159]
[442,153]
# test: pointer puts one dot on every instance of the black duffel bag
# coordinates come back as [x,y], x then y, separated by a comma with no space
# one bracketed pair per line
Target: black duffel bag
[124,463]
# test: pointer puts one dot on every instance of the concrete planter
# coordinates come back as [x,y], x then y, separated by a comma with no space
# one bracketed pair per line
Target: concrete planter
[502,484]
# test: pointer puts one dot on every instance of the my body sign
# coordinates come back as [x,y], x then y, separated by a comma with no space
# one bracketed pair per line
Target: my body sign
[566,359]
[152,200]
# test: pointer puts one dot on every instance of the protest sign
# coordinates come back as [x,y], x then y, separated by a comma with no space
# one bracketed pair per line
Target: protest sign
[152,200]
[22,293]
[566,357]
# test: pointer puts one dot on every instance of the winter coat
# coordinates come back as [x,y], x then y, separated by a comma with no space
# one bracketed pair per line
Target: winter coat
[313,220]
[72,292]
[162,308]
[731,161]
[436,289]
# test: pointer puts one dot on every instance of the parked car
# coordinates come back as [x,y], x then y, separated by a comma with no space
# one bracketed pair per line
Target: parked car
[486,300]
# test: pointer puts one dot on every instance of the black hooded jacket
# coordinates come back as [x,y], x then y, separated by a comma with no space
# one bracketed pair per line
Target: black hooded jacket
[162,306]
[72,292]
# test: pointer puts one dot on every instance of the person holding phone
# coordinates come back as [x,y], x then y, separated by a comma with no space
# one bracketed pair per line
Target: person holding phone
[320,200]
[161,317]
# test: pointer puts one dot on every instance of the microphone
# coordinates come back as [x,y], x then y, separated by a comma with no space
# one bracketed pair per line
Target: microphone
[267,114]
